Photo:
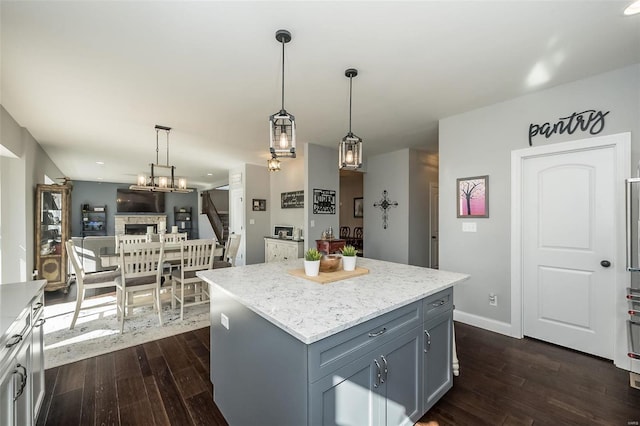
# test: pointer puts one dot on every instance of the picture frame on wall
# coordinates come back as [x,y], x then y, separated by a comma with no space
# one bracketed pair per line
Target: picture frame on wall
[259,205]
[358,207]
[472,196]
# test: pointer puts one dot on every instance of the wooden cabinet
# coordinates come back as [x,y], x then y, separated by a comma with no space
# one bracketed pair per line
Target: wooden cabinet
[278,250]
[52,230]
[330,246]
[183,219]
[21,354]
[94,221]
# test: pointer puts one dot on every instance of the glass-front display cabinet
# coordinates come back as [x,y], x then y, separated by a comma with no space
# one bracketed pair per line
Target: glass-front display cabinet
[52,230]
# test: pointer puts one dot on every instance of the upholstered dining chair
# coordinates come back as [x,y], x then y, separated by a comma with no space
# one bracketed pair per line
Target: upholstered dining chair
[140,271]
[195,255]
[131,239]
[230,252]
[92,280]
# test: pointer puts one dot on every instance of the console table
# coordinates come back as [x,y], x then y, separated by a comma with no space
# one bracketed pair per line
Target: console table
[330,246]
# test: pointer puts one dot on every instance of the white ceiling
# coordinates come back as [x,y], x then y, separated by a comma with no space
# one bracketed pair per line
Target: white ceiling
[90,80]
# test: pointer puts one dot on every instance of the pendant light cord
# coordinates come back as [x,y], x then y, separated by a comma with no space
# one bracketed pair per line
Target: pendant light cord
[350,88]
[283,74]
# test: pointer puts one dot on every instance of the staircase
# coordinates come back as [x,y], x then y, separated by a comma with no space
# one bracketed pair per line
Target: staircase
[219,221]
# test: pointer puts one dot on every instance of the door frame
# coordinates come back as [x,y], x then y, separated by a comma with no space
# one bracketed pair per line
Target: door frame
[621,143]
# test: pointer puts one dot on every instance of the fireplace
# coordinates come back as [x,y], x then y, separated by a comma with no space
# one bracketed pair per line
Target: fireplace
[137,224]
[139,228]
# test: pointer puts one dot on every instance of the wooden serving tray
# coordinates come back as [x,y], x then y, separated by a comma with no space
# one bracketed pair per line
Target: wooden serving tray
[329,277]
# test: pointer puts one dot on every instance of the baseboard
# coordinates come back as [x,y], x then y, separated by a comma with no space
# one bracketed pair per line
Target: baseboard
[483,322]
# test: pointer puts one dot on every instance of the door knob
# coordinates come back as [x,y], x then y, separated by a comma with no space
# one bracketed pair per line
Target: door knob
[605,263]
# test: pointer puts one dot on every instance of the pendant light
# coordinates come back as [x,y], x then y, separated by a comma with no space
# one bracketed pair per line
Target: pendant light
[350,146]
[161,183]
[282,138]
[273,164]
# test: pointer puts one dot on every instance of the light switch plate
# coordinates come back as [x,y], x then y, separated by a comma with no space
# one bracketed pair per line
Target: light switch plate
[469,227]
[224,320]
[252,221]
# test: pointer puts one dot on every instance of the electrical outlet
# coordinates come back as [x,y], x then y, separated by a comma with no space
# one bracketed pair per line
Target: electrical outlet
[224,320]
[493,299]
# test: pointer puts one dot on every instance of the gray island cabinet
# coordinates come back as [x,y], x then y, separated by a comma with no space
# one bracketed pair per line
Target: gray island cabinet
[374,349]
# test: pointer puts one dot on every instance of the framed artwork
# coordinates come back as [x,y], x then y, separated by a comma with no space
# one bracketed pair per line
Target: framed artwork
[259,205]
[472,196]
[324,201]
[358,207]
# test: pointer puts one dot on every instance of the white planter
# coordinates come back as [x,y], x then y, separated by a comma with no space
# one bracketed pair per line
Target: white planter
[311,267]
[349,263]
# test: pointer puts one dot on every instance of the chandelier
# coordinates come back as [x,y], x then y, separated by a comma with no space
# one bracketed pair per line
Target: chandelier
[161,182]
[282,137]
[350,146]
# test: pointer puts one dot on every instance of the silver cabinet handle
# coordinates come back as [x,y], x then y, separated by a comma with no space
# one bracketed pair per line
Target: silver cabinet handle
[386,369]
[40,322]
[427,344]
[37,307]
[378,374]
[378,333]
[439,303]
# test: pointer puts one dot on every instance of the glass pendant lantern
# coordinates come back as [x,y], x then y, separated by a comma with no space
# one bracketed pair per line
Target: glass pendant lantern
[350,147]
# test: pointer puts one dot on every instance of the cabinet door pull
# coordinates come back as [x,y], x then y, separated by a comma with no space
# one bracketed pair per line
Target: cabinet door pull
[18,339]
[378,333]
[439,303]
[23,381]
[378,374]
[427,343]
[37,307]
[40,322]
[386,369]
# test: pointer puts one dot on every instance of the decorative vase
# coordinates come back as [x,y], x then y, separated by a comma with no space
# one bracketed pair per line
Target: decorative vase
[312,267]
[349,263]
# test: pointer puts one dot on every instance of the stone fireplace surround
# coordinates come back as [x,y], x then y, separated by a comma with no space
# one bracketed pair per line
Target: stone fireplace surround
[120,220]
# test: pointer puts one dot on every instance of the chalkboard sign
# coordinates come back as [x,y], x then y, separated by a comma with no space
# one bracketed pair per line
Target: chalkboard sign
[292,200]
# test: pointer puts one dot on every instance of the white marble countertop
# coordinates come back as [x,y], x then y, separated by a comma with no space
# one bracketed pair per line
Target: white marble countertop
[14,299]
[311,311]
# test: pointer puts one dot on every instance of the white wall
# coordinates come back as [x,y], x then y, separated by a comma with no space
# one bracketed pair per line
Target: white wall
[18,179]
[480,142]
[321,166]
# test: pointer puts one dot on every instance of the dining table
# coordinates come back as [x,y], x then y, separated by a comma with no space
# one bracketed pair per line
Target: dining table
[171,252]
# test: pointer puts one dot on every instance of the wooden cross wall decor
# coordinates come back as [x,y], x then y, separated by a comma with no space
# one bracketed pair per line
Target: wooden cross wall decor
[385,204]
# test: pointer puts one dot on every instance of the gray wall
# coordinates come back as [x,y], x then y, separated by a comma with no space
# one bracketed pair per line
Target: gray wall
[257,223]
[321,165]
[289,179]
[105,194]
[22,167]
[406,175]
[480,142]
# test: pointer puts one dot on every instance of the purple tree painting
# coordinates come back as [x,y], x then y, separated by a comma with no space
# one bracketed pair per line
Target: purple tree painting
[473,196]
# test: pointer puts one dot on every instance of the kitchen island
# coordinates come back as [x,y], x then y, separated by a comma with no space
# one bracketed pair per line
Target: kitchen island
[374,349]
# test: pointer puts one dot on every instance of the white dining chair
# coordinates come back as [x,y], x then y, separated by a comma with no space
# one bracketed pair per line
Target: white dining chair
[131,239]
[195,255]
[230,252]
[140,272]
[86,281]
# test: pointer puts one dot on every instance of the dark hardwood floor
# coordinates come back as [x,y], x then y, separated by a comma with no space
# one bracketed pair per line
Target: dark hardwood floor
[503,381]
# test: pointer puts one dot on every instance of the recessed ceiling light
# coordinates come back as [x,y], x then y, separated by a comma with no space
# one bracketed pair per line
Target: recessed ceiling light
[99,178]
[209,174]
[101,163]
[633,8]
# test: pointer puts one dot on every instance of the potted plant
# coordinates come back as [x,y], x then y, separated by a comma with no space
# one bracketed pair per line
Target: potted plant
[349,258]
[312,262]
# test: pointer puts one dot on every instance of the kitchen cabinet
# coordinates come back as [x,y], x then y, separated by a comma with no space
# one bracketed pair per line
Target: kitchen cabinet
[437,379]
[21,353]
[52,230]
[278,250]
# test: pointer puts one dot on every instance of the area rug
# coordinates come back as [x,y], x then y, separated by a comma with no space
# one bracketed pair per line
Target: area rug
[97,329]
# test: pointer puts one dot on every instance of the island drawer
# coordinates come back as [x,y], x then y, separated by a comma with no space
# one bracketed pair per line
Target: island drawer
[437,303]
[16,332]
[333,352]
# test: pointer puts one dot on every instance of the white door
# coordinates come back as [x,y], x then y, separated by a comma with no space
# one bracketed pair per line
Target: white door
[568,236]
[433,225]
[236,221]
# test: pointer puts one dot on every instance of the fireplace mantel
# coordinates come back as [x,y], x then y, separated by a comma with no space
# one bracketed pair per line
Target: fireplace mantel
[120,220]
